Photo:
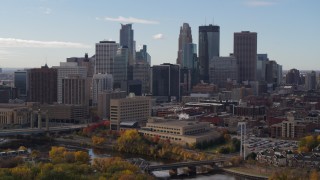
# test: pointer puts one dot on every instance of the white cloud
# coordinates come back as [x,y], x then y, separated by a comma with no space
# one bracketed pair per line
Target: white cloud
[158,36]
[12,42]
[259,3]
[129,20]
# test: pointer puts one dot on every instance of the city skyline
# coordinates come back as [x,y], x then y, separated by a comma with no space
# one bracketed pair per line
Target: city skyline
[36,32]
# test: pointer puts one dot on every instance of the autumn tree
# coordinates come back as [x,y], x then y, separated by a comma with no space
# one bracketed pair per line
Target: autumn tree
[97,140]
[81,156]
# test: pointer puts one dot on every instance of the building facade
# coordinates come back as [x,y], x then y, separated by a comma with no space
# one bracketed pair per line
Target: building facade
[245,51]
[185,37]
[75,90]
[105,54]
[120,67]
[209,47]
[223,70]
[104,98]
[43,85]
[166,81]
[100,83]
[21,83]
[127,40]
[130,109]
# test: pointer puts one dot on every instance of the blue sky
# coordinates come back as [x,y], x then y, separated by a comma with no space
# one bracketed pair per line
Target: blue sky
[33,32]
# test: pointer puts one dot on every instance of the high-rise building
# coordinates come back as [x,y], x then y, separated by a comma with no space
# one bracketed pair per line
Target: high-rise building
[293,77]
[143,55]
[311,81]
[166,81]
[42,85]
[141,71]
[75,90]
[105,54]
[190,61]
[65,69]
[85,61]
[127,39]
[120,67]
[100,83]
[21,83]
[245,51]
[223,70]
[262,60]
[104,98]
[131,109]
[185,37]
[209,47]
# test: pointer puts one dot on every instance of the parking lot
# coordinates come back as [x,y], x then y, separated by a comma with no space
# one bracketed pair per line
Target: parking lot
[255,144]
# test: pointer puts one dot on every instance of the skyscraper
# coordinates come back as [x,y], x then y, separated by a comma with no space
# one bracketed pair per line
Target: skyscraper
[65,69]
[209,47]
[245,51]
[166,81]
[127,39]
[21,83]
[100,83]
[75,90]
[120,67]
[42,85]
[185,37]
[105,54]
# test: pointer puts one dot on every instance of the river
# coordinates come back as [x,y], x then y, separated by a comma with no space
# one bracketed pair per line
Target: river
[100,153]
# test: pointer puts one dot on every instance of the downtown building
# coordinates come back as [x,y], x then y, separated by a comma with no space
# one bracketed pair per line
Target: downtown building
[185,37]
[42,85]
[209,47]
[100,83]
[127,40]
[75,90]
[105,55]
[245,51]
[133,109]
[21,83]
[166,82]
[64,70]
[223,70]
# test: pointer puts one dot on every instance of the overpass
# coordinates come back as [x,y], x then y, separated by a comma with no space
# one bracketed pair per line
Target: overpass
[30,131]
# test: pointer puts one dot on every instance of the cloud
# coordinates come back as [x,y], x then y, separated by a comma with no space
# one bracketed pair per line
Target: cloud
[46,10]
[259,3]
[129,20]
[12,42]
[158,36]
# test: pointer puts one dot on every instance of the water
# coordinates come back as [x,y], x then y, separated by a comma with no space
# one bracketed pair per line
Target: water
[101,153]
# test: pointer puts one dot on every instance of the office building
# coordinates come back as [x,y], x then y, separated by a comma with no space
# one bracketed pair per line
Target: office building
[120,67]
[143,56]
[185,37]
[104,99]
[64,70]
[209,47]
[130,109]
[293,77]
[100,83]
[7,93]
[311,81]
[42,85]
[14,115]
[85,61]
[141,72]
[127,40]
[245,51]
[105,55]
[223,70]
[183,132]
[21,83]
[166,81]
[75,90]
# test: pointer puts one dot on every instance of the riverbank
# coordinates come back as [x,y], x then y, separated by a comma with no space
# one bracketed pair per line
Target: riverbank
[246,173]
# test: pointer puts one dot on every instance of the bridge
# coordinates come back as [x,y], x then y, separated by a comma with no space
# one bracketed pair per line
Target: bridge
[30,131]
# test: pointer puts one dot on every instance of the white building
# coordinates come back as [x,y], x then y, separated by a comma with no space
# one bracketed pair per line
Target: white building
[105,55]
[64,70]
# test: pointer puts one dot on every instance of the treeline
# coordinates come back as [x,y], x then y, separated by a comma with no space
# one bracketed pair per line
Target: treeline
[130,141]
[308,143]
[66,165]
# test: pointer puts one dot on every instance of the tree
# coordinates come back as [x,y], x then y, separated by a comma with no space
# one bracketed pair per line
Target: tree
[98,140]
[57,154]
[81,156]
[314,175]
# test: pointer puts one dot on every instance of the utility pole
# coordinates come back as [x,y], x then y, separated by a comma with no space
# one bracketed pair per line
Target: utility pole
[243,133]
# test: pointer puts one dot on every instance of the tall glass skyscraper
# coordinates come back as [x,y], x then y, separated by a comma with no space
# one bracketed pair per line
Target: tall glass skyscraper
[20,82]
[127,39]
[185,37]
[209,47]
